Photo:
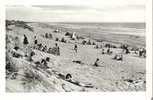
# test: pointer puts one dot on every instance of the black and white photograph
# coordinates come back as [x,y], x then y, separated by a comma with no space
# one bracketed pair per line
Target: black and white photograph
[76,48]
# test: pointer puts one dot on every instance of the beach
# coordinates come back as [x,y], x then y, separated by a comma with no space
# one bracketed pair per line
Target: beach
[127,74]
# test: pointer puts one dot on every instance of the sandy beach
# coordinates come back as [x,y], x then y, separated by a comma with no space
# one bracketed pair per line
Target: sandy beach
[128,74]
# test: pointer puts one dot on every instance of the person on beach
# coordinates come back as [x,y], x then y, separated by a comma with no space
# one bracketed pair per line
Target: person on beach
[103,51]
[68,77]
[31,54]
[57,49]
[108,50]
[96,46]
[75,48]
[35,42]
[50,36]
[96,62]
[118,57]
[46,35]
[44,62]
[49,50]
[25,41]
[25,44]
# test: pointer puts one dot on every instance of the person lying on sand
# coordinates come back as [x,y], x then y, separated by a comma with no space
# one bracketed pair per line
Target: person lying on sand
[16,52]
[118,57]
[78,61]
[68,78]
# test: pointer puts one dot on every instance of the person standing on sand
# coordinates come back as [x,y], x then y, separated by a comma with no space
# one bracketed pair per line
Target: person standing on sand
[25,44]
[103,51]
[58,49]
[35,41]
[25,41]
[76,48]
[108,50]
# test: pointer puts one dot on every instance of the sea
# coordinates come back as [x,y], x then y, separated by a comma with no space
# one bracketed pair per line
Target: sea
[138,29]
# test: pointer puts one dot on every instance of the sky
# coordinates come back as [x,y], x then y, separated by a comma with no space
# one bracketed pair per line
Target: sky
[81,11]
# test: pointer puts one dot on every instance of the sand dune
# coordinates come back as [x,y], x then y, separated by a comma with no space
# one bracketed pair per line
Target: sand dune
[113,75]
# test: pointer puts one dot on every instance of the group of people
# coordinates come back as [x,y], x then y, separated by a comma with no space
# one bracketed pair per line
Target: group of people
[31,53]
[84,42]
[43,63]
[107,51]
[48,35]
[125,48]
[55,50]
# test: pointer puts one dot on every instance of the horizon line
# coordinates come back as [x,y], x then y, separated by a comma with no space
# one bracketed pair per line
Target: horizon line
[73,21]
